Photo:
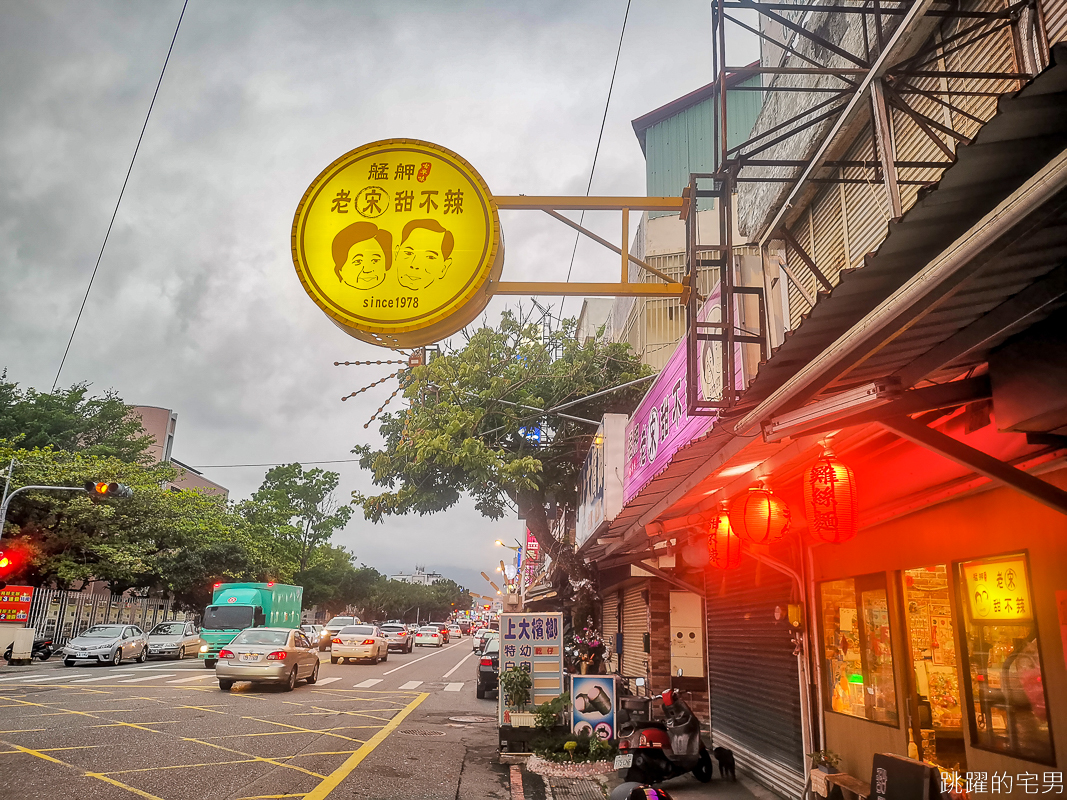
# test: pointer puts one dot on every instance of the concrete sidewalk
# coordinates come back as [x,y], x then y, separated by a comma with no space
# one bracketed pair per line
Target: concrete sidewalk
[683,788]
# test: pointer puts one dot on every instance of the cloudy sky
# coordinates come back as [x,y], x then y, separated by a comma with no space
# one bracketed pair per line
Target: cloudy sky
[196,306]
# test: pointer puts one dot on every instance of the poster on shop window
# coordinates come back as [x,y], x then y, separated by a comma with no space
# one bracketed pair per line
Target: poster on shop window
[593,705]
[533,643]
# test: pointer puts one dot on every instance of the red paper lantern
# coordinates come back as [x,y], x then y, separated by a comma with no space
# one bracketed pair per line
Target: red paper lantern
[724,546]
[830,499]
[759,516]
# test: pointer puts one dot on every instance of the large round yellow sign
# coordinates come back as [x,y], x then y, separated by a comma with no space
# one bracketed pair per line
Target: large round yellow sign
[398,242]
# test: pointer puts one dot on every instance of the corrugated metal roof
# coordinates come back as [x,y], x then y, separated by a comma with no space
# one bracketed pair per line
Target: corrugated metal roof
[1029,129]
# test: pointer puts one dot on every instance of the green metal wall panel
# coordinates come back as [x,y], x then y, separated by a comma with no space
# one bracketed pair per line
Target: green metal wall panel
[686,142]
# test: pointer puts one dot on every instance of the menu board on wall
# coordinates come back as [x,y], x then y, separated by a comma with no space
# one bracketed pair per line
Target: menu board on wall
[998,590]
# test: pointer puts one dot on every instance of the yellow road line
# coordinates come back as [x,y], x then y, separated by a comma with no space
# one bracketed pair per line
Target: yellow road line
[333,780]
[97,776]
[273,761]
[324,732]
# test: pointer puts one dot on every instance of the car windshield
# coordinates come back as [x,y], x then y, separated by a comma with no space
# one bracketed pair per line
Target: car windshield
[359,630]
[260,636]
[393,628]
[340,622]
[492,646]
[168,629]
[429,629]
[220,618]
[102,632]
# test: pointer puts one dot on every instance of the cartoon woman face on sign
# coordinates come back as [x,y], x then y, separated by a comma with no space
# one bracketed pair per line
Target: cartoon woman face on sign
[362,255]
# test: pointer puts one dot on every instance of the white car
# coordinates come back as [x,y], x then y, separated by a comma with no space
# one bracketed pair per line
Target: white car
[455,632]
[107,644]
[359,642]
[174,639]
[430,635]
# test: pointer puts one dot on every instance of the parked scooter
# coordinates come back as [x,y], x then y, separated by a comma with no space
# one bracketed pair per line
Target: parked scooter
[650,752]
[42,650]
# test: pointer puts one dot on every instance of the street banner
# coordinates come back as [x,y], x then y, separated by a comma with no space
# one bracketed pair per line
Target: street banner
[534,643]
[593,705]
[15,603]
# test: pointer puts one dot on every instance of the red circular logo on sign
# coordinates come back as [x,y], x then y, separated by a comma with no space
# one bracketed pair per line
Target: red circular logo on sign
[232,600]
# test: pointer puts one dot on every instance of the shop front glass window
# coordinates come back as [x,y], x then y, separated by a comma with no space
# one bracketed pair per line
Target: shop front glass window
[857,648]
[937,727]
[1006,685]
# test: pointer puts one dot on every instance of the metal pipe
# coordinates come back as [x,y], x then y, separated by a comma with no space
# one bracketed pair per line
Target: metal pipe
[876,70]
[1045,184]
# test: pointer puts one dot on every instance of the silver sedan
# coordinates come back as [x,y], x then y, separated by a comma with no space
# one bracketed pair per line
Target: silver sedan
[174,639]
[268,655]
[107,644]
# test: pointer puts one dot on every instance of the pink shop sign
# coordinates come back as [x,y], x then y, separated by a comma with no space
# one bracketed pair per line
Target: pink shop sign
[661,425]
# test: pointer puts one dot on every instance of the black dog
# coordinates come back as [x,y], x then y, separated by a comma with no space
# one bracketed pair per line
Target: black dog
[726,762]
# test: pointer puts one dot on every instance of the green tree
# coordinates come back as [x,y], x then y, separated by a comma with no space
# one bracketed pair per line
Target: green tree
[466,429]
[159,540]
[306,506]
[70,419]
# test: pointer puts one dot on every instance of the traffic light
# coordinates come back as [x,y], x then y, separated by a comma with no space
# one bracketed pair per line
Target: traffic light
[100,490]
[7,567]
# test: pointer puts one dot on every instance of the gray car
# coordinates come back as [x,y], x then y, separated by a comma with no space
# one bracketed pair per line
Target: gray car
[268,655]
[174,640]
[399,637]
[107,644]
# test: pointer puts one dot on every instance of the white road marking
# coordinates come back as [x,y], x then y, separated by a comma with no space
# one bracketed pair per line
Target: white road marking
[454,687]
[195,678]
[104,677]
[24,677]
[421,658]
[368,683]
[324,681]
[412,685]
[449,673]
[150,678]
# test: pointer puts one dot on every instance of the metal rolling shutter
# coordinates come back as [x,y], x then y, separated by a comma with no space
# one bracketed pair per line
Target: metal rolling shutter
[634,629]
[829,255]
[610,629]
[754,680]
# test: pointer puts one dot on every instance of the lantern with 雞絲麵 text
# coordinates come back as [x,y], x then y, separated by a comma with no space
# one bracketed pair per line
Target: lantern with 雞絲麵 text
[724,546]
[759,516]
[830,499]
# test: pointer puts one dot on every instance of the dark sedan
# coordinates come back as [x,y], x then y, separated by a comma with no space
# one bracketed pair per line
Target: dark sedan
[488,668]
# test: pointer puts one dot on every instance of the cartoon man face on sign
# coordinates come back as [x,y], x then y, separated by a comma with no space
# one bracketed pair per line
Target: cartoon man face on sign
[362,254]
[424,253]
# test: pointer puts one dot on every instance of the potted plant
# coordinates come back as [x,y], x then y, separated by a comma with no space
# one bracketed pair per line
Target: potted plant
[588,648]
[825,761]
[549,714]
[515,684]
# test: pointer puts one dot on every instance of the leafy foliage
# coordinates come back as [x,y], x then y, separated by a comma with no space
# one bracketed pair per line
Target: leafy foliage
[69,419]
[468,427]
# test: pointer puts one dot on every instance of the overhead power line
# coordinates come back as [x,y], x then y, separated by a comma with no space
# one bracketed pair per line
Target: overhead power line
[596,153]
[122,191]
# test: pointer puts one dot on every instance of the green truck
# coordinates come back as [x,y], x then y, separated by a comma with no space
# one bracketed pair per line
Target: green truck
[236,606]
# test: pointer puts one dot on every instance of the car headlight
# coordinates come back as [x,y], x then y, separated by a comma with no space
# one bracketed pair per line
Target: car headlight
[203,648]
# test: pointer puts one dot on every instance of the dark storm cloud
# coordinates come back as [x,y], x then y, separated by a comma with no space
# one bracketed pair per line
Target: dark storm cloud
[196,306]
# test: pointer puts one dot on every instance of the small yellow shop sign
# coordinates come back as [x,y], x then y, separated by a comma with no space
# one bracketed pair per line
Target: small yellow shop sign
[398,242]
[998,590]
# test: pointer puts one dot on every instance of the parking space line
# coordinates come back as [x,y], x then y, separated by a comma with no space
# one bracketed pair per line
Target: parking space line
[460,664]
[412,685]
[273,761]
[334,779]
[454,687]
[191,680]
[149,678]
[369,683]
[103,677]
